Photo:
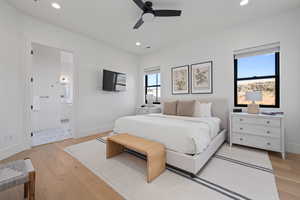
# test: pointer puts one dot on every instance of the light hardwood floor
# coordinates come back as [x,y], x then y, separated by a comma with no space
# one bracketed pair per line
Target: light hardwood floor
[61,177]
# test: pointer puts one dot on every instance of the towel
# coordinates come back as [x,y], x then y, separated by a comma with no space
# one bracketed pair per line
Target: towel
[36,104]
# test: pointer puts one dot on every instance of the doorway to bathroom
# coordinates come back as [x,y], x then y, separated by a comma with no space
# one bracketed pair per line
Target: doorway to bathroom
[52,94]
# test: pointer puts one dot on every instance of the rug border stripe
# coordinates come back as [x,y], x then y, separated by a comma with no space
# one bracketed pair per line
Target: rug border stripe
[223,188]
[244,163]
[204,184]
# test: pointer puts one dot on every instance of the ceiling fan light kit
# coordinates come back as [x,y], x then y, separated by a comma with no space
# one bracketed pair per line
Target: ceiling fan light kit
[244,2]
[148,17]
[149,13]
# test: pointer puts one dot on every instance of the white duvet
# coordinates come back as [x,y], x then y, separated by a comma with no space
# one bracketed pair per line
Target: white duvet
[189,135]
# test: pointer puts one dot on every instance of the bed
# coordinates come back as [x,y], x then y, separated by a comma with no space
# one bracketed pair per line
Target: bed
[190,141]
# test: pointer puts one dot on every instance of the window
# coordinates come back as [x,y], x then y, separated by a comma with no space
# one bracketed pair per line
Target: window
[257,72]
[152,86]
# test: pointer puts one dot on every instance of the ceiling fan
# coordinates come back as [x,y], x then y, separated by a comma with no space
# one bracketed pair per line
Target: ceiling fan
[149,13]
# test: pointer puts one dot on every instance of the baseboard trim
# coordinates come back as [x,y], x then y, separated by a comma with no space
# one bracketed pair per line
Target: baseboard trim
[12,150]
[93,131]
[293,148]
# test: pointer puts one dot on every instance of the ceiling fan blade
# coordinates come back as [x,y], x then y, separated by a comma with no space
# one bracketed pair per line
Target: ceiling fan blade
[167,13]
[140,4]
[138,24]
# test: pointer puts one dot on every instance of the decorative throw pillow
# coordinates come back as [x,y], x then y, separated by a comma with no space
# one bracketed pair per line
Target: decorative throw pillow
[186,108]
[170,108]
[202,109]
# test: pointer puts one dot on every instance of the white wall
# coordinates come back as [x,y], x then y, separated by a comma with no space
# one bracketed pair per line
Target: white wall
[95,110]
[10,84]
[219,47]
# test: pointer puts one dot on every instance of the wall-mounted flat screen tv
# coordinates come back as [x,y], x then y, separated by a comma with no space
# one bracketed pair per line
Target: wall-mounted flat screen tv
[114,81]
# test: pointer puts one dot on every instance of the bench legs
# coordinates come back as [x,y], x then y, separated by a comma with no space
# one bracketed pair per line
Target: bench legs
[156,164]
[113,149]
[26,185]
[29,187]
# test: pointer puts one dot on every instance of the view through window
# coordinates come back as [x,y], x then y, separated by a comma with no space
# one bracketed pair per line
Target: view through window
[152,87]
[257,73]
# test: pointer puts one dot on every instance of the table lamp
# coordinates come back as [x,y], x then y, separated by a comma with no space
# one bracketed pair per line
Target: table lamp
[253,108]
[150,100]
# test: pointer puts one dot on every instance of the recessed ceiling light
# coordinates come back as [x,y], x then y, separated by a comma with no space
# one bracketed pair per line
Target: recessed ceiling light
[138,44]
[244,2]
[56,6]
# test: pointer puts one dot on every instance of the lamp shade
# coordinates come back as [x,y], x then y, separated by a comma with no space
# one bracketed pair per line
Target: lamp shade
[254,96]
[150,98]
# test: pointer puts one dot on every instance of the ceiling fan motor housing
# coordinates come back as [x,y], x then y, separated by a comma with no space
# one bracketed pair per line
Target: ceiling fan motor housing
[149,4]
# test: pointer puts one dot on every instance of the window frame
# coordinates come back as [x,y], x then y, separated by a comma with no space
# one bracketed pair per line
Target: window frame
[152,86]
[276,77]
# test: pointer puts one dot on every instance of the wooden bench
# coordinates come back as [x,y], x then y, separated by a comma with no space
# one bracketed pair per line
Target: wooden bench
[155,152]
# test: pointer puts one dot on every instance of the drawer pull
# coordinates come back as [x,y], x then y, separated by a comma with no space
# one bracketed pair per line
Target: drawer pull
[241,120]
[268,122]
[241,129]
[268,132]
[268,143]
[241,139]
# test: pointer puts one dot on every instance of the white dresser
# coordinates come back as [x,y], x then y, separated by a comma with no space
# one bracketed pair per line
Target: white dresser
[259,131]
[147,110]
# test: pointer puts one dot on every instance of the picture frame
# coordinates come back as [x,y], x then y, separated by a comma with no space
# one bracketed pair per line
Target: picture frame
[180,80]
[202,78]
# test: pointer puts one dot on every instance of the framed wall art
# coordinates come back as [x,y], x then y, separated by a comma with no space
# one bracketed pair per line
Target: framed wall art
[202,78]
[180,80]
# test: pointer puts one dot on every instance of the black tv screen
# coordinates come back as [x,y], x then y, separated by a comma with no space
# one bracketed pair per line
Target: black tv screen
[114,81]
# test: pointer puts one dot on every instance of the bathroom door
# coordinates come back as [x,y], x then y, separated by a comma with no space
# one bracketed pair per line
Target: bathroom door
[46,88]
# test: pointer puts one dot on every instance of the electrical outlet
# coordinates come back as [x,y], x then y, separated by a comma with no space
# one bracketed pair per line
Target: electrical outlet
[7,139]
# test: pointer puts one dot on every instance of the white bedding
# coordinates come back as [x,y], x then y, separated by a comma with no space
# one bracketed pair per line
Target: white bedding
[189,135]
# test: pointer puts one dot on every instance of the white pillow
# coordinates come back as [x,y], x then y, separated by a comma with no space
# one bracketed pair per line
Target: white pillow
[202,109]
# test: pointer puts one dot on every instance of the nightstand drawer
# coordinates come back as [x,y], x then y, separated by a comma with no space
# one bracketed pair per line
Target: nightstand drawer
[258,121]
[238,138]
[142,111]
[147,110]
[257,130]
[272,144]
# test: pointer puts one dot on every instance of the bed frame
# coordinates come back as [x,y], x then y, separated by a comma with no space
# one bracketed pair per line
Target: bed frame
[192,164]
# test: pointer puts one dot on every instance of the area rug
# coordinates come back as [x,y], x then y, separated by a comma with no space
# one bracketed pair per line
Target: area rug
[233,173]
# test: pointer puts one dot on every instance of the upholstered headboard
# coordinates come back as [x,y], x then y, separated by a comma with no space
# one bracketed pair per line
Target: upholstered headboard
[220,107]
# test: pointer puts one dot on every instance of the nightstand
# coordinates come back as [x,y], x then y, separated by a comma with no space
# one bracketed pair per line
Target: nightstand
[259,131]
[147,110]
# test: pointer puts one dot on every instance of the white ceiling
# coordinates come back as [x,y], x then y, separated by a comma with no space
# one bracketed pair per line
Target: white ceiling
[112,20]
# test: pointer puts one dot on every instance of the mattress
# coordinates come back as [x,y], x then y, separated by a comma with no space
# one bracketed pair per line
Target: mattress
[188,135]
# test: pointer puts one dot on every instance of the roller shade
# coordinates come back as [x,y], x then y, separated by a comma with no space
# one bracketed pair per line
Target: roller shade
[152,70]
[259,50]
